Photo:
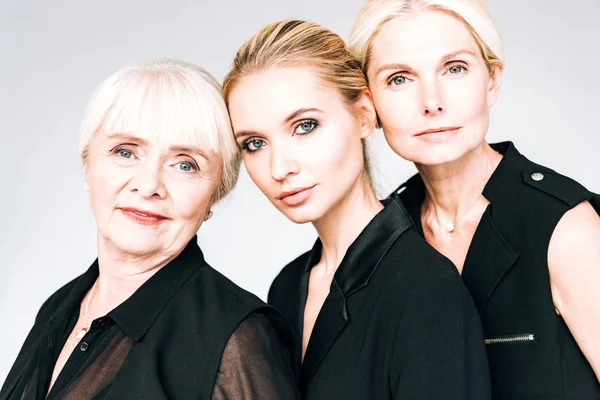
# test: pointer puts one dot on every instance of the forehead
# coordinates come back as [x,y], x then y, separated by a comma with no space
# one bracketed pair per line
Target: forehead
[268,97]
[423,35]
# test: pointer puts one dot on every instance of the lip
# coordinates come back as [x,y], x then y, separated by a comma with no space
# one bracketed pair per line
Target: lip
[143,217]
[295,196]
[439,131]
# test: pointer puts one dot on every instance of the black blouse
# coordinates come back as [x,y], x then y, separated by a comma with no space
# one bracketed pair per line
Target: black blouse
[531,351]
[186,333]
[398,322]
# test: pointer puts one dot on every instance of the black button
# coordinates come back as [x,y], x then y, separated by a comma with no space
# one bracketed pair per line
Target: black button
[101,322]
[50,342]
[83,346]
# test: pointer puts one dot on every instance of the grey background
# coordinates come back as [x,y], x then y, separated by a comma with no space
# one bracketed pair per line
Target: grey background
[52,55]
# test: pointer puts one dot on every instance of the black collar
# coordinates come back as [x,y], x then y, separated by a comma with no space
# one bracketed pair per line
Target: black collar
[365,253]
[137,314]
[412,192]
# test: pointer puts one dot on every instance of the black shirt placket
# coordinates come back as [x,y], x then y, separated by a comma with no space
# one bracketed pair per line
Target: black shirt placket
[84,354]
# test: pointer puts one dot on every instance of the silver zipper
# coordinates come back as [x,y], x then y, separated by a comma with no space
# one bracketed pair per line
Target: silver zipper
[525,337]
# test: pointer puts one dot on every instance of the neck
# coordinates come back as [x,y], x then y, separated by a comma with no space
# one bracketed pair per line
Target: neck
[121,274]
[343,223]
[453,187]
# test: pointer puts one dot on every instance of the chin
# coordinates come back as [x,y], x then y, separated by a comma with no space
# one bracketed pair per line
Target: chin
[434,154]
[137,243]
[302,214]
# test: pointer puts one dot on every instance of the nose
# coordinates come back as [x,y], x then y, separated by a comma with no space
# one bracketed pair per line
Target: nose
[283,162]
[148,180]
[432,99]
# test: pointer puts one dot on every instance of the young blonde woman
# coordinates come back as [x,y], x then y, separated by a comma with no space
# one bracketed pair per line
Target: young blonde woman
[380,313]
[525,238]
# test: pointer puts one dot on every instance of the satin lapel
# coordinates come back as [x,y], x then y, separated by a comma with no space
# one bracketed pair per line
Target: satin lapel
[489,258]
[331,321]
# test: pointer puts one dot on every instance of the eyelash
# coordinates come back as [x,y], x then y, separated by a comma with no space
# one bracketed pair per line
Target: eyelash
[119,149]
[247,143]
[391,79]
[401,75]
[314,123]
[192,164]
[458,64]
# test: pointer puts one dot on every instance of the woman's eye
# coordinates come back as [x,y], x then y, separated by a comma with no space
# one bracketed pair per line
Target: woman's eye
[398,80]
[253,145]
[124,153]
[457,69]
[305,127]
[186,166]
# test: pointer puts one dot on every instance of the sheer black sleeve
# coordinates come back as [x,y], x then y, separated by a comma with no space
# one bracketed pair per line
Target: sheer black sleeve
[255,365]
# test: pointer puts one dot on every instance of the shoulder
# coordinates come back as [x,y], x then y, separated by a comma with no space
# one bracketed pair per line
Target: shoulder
[55,300]
[222,300]
[552,184]
[288,278]
[221,291]
[575,239]
[419,260]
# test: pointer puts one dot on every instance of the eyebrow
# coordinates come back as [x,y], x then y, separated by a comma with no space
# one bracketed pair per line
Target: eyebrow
[189,149]
[292,116]
[299,112]
[128,137]
[445,58]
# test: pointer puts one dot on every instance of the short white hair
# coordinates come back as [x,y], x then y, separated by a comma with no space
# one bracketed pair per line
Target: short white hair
[165,96]
[473,13]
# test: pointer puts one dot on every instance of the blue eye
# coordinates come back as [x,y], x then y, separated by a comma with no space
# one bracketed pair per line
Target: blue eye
[305,127]
[124,153]
[398,80]
[186,166]
[457,69]
[253,144]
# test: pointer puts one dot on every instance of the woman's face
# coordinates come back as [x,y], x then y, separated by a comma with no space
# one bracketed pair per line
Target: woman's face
[301,144]
[431,87]
[149,195]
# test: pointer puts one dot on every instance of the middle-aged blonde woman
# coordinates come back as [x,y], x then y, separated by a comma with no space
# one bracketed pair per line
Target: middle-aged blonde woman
[525,238]
[380,314]
[150,319]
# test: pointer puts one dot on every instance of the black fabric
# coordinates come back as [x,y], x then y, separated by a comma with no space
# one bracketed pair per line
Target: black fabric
[506,271]
[188,332]
[398,322]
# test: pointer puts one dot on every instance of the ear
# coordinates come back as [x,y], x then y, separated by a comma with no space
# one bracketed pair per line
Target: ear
[367,115]
[494,87]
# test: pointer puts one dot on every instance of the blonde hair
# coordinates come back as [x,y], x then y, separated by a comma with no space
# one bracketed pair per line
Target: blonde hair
[300,43]
[165,97]
[474,14]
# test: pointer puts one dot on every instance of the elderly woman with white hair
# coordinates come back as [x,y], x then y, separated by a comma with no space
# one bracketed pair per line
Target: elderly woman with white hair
[150,319]
[524,237]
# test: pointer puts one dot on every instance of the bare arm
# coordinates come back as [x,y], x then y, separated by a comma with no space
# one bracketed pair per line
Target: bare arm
[574,264]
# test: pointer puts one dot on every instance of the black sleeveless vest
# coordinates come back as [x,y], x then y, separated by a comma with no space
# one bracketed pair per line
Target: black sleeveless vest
[531,352]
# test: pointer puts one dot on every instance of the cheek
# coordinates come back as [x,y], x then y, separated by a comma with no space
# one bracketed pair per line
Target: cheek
[190,200]
[337,152]
[468,100]
[106,180]
[258,168]
[396,110]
